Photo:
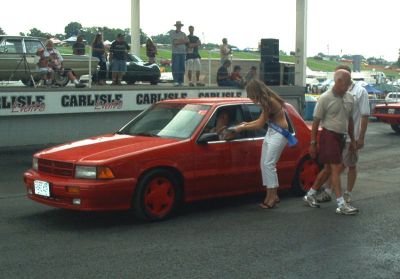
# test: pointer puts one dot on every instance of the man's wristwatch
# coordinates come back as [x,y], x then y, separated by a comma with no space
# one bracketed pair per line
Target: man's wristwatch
[313,142]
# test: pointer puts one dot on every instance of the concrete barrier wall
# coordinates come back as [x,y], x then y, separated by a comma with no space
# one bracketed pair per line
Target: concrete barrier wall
[58,128]
[33,129]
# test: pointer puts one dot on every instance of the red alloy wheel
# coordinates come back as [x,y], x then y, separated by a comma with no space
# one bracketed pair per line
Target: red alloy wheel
[308,173]
[159,197]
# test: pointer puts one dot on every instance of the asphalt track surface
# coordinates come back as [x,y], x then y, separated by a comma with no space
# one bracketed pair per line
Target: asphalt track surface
[223,238]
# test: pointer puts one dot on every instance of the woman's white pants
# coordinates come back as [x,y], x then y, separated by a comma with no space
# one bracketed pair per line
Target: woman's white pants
[272,147]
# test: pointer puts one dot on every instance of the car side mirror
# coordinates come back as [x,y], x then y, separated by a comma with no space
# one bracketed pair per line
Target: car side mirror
[207,137]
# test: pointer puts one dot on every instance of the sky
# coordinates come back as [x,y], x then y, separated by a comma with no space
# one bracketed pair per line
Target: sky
[369,28]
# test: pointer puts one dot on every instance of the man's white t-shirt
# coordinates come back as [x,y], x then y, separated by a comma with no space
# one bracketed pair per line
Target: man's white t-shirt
[361,106]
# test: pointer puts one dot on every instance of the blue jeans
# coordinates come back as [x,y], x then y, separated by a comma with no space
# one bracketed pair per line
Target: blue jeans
[178,67]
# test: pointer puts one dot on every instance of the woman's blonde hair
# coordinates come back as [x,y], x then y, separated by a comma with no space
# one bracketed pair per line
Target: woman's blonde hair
[262,94]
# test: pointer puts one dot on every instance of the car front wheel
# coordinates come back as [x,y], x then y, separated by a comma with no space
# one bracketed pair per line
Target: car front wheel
[157,195]
[395,127]
[306,173]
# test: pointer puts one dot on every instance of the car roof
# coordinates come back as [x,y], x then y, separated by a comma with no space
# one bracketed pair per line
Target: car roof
[20,37]
[209,101]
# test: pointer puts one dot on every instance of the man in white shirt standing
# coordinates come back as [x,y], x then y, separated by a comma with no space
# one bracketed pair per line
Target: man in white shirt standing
[361,113]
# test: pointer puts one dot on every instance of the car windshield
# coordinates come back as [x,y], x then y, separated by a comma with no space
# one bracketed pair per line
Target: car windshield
[167,120]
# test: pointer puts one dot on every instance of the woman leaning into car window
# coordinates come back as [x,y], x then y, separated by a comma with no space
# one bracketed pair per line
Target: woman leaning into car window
[98,51]
[274,142]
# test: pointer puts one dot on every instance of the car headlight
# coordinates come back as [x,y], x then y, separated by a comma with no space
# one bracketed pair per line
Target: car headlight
[89,172]
[85,172]
[35,164]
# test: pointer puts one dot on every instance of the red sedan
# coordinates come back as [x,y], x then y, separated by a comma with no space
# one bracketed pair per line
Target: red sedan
[389,113]
[167,155]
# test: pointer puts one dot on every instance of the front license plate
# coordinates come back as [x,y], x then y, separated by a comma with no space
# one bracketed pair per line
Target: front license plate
[391,111]
[42,188]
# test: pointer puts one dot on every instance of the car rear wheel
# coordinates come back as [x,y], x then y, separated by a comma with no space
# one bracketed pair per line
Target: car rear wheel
[306,174]
[154,82]
[157,195]
[395,127]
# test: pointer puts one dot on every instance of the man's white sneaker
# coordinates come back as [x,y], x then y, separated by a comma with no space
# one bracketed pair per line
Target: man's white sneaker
[347,197]
[346,209]
[323,197]
[311,201]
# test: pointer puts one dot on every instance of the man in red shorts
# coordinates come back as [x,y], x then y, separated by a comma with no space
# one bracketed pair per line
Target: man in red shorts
[334,111]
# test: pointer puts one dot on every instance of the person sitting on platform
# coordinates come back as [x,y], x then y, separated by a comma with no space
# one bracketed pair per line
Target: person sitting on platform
[45,71]
[236,76]
[223,75]
[56,63]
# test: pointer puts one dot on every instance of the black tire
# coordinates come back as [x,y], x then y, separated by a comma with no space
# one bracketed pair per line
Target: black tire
[28,81]
[61,80]
[157,195]
[130,82]
[395,127]
[306,173]
[154,82]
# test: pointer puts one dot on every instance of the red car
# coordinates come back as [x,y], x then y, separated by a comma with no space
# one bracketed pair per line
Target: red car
[389,113]
[165,156]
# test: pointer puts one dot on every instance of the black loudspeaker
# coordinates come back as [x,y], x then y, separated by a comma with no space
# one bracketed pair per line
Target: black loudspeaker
[270,66]
[269,47]
[271,73]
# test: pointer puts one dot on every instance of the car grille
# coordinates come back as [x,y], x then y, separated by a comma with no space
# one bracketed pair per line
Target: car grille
[56,168]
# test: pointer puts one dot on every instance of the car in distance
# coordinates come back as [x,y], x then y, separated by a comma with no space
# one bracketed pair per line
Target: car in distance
[393,97]
[165,156]
[138,70]
[388,113]
[13,66]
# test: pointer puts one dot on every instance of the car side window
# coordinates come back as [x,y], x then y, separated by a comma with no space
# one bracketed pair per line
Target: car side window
[11,46]
[226,116]
[255,112]
[32,46]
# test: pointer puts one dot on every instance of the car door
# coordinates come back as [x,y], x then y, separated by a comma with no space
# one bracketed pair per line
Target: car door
[245,157]
[212,164]
[13,66]
[289,156]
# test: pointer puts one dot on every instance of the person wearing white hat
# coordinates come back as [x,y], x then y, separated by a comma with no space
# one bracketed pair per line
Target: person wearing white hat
[178,42]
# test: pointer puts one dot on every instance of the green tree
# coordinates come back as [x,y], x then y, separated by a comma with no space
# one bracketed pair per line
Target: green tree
[34,32]
[2,32]
[72,29]
[163,38]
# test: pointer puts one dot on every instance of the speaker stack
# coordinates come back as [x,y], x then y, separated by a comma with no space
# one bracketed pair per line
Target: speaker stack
[270,67]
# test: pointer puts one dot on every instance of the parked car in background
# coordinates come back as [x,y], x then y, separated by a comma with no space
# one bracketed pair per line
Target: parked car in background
[165,156]
[388,113]
[18,60]
[138,70]
[392,97]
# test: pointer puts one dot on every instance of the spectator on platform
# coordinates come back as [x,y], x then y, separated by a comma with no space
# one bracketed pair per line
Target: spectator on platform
[252,74]
[193,57]
[151,50]
[223,78]
[236,76]
[78,48]
[46,72]
[225,51]
[98,51]
[118,56]
[178,42]
[56,63]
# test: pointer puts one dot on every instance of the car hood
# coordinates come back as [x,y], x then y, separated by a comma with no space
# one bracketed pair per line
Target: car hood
[102,148]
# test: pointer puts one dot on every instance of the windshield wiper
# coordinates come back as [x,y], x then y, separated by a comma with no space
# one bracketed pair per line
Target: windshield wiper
[146,134]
